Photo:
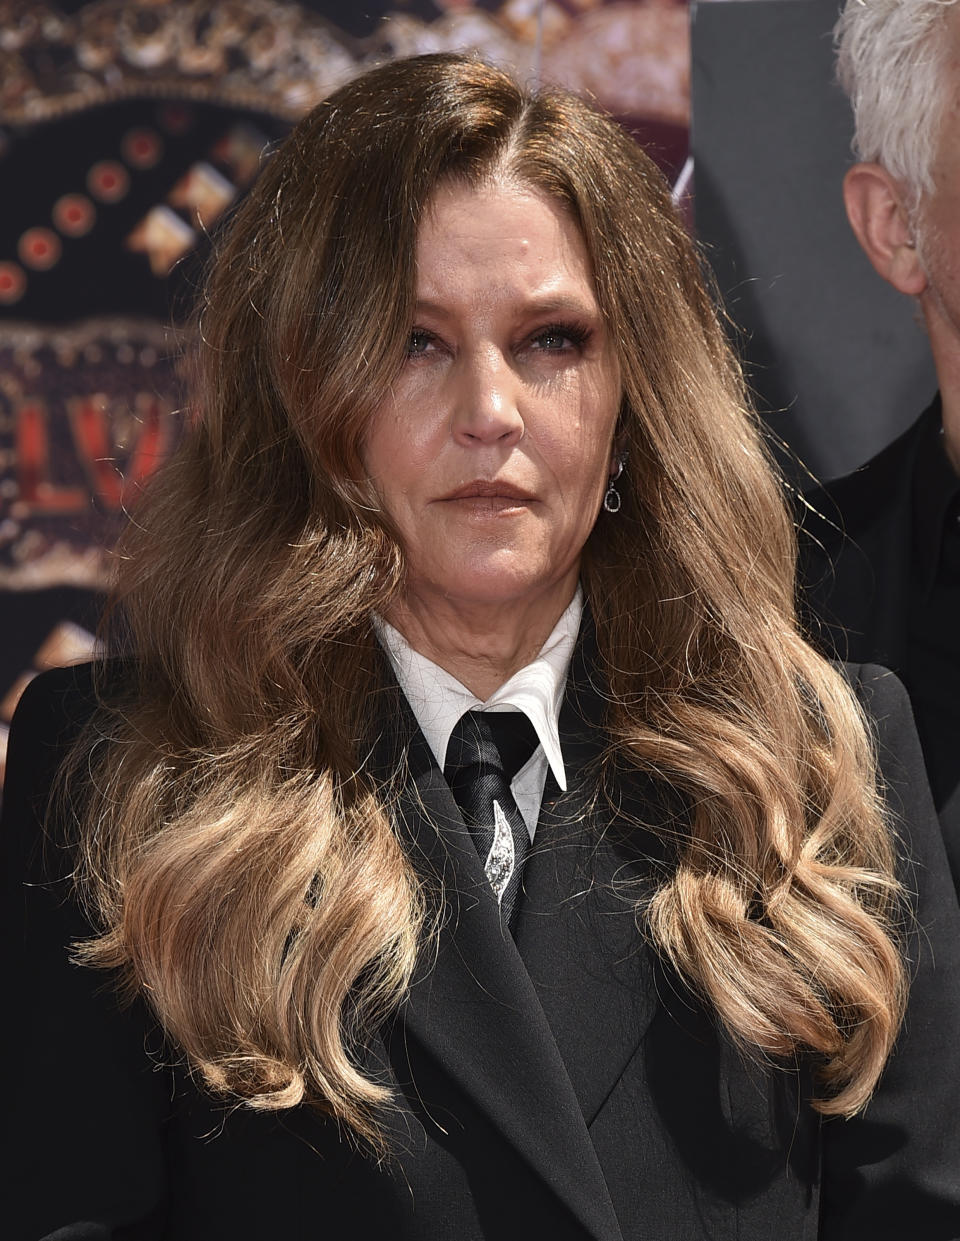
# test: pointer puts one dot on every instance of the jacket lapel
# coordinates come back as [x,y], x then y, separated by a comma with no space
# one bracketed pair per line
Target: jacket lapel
[473,1008]
[577,928]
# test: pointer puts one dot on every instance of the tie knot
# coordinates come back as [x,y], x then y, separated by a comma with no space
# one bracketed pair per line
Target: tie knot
[500,741]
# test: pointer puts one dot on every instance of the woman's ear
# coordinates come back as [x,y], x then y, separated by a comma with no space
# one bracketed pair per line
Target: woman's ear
[618,451]
[877,211]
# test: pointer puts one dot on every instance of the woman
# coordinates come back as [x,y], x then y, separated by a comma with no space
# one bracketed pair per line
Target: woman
[467,434]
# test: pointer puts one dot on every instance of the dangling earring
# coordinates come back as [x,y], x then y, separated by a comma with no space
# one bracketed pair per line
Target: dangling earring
[612,501]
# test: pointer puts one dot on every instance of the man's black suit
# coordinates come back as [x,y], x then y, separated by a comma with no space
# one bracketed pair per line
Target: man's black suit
[874,559]
[564,1087]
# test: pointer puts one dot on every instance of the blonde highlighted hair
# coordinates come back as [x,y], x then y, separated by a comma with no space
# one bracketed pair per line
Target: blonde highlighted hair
[237,848]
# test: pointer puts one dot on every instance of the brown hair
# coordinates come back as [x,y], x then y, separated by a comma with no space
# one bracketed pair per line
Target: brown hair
[237,852]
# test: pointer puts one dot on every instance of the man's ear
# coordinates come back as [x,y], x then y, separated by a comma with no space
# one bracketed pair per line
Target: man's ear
[878,216]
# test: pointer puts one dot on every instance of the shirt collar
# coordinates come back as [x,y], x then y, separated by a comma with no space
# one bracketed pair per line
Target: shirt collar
[439,699]
[935,488]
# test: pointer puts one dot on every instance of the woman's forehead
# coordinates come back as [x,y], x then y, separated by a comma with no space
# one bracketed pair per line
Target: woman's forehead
[501,231]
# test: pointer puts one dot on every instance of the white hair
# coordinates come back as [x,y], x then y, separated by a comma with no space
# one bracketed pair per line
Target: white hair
[890,60]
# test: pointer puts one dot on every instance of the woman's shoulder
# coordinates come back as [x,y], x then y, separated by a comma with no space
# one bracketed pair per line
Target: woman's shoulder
[62,699]
[56,699]
[57,703]
[886,702]
[891,1170]
[50,716]
[875,682]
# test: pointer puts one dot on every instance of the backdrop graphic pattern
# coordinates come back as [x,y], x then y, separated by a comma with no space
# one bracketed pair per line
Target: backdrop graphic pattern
[128,129]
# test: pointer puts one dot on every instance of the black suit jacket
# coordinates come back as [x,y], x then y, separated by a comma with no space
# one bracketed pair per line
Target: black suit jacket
[857,551]
[565,1085]
[860,572]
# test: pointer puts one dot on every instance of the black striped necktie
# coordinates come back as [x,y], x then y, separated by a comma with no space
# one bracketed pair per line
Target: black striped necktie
[485,751]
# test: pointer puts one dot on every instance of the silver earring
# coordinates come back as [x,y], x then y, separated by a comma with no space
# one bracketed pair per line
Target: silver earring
[612,501]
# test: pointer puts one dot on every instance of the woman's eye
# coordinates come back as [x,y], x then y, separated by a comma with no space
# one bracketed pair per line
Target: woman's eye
[418,343]
[558,338]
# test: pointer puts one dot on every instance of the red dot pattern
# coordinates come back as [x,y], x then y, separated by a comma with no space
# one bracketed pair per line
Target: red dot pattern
[39,248]
[108,181]
[74,215]
[142,148]
[13,283]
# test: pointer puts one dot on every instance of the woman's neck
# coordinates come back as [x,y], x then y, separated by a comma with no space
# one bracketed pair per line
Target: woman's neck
[481,644]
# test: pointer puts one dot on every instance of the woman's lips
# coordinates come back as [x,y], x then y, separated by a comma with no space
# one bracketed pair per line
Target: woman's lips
[490,489]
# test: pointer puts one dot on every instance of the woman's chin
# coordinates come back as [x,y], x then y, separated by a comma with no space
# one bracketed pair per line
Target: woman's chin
[481,584]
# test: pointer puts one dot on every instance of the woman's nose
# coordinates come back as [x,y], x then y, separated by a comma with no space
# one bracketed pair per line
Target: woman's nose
[487,401]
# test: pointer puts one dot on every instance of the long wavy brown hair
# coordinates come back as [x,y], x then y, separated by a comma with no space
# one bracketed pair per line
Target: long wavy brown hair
[238,852]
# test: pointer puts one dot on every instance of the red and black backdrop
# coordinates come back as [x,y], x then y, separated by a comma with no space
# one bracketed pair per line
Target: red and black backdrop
[127,131]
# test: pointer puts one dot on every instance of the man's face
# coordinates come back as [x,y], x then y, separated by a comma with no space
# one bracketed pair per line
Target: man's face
[917,249]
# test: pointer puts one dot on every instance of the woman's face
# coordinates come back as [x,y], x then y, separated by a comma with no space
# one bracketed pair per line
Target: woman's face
[495,446]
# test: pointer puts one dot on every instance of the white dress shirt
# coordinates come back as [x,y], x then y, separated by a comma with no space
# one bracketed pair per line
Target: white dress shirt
[438,700]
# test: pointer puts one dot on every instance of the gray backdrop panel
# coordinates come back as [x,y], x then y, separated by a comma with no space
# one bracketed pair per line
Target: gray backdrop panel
[836,358]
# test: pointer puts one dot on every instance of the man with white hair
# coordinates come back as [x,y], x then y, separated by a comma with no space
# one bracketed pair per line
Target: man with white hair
[889,589]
